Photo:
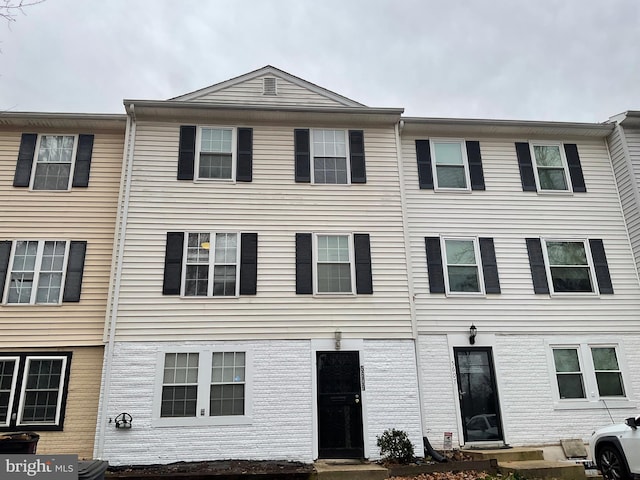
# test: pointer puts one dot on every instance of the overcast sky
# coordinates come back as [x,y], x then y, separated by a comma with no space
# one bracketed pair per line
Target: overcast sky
[565,60]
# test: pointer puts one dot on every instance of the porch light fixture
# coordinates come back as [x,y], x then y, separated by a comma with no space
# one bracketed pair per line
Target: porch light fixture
[338,338]
[123,420]
[472,334]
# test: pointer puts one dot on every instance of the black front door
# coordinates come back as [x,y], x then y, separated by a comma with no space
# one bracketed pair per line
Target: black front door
[478,395]
[339,405]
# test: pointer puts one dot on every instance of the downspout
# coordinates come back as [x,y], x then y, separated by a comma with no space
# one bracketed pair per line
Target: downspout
[407,249]
[116,265]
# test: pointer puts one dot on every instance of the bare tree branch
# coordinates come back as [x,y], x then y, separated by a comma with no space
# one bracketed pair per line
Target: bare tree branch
[10,9]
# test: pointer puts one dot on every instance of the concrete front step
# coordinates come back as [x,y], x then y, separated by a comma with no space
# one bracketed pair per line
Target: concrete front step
[536,469]
[515,454]
[329,470]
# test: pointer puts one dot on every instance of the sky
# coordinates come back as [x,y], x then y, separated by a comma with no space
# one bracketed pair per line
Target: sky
[558,60]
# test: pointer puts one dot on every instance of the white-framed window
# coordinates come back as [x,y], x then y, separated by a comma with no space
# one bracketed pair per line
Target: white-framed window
[450,164]
[36,272]
[32,390]
[211,264]
[588,372]
[216,153]
[462,265]
[550,167]
[330,156]
[203,386]
[569,266]
[334,263]
[54,162]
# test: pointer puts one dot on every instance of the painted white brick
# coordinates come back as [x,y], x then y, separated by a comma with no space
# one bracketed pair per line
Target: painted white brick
[391,392]
[281,427]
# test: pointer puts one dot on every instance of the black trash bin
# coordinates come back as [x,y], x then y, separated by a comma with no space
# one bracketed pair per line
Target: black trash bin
[19,442]
[92,469]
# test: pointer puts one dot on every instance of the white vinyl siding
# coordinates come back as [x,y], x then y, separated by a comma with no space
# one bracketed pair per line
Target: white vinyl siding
[508,215]
[276,207]
[89,214]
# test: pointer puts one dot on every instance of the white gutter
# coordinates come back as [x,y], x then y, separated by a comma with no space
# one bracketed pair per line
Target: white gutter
[411,292]
[114,286]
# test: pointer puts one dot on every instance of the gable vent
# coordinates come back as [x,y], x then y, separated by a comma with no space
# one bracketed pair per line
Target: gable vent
[269,86]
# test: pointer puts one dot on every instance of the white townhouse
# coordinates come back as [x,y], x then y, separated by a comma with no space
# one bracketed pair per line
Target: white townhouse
[526,298]
[260,306]
[624,145]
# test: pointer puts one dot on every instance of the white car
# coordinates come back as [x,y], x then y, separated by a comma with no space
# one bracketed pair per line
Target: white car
[616,450]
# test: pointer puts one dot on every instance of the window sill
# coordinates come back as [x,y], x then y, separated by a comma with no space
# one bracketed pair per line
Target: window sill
[230,181]
[466,294]
[33,304]
[574,295]
[452,190]
[200,421]
[334,295]
[554,192]
[212,297]
[600,404]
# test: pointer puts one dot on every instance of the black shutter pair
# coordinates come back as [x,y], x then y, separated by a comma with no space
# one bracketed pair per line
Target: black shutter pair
[527,175]
[425,171]
[435,266]
[539,272]
[303,156]
[187,154]
[26,154]
[75,269]
[304,263]
[173,263]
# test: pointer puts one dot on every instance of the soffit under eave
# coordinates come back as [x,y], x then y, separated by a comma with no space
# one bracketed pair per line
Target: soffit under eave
[505,129]
[247,116]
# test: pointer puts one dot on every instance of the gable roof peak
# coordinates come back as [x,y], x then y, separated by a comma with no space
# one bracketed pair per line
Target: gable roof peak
[266,71]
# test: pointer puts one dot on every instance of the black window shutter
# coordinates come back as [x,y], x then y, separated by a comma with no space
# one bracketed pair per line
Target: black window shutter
[425,174]
[304,267]
[475,165]
[5,253]
[27,150]
[489,265]
[173,263]
[434,265]
[75,269]
[362,248]
[248,263]
[575,168]
[245,155]
[527,176]
[302,155]
[186,152]
[601,266]
[356,152]
[83,161]
[536,263]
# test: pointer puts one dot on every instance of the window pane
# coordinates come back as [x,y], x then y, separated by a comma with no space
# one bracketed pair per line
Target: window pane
[448,153]
[20,287]
[566,360]
[197,280]
[49,288]
[604,358]
[42,390]
[330,170]
[215,166]
[198,248]
[25,255]
[53,166]
[224,280]
[571,279]
[451,177]
[547,155]
[7,368]
[610,384]
[334,277]
[227,400]
[179,401]
[226,248]
[463,279]
[50,176]
[216,140]
[552,179]
[570,385]
[460,252]
[329,143]
[333,248]
[566,253]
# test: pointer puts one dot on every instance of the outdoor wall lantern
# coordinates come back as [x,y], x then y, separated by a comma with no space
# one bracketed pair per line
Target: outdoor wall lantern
[123,420]
[338,338]
[472,334]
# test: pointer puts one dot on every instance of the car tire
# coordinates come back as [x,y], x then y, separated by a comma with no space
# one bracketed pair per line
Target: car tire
[611,463]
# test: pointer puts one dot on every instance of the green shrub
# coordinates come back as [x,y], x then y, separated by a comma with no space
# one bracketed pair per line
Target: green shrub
[395,446]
